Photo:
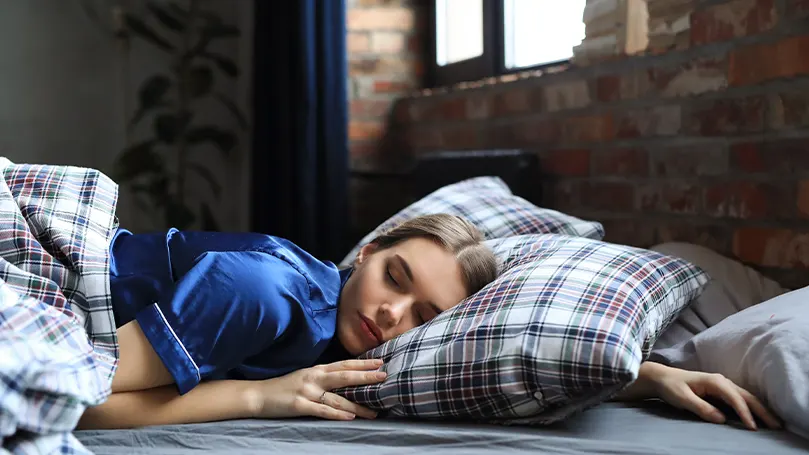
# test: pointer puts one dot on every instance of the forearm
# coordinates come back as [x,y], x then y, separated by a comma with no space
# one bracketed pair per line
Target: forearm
[644,386]
[207,402]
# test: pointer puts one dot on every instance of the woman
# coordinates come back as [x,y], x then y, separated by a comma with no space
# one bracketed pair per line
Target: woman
[227,326]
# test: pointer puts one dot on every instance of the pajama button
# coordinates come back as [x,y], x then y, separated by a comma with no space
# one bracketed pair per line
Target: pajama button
[538,395]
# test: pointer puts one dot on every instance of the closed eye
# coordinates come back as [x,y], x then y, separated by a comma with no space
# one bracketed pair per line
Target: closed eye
[390,277]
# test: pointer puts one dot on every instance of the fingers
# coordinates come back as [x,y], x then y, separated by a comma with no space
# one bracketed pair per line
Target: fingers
[338,402]
[325,411]
[759,409]
[691,402]
[729,392]
[346,378]
[354,364]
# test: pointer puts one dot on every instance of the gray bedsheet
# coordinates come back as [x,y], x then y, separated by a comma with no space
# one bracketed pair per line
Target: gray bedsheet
[612,428]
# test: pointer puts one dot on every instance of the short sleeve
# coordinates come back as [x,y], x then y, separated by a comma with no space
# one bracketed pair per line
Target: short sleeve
[228,306]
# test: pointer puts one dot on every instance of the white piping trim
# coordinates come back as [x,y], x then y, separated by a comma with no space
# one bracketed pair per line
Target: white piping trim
[160,312]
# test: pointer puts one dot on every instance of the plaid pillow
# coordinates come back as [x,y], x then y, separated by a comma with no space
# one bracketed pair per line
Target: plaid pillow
[565,326]
[488,203]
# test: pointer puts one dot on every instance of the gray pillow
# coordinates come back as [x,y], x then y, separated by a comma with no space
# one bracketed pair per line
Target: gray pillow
[733,288]
[764,348]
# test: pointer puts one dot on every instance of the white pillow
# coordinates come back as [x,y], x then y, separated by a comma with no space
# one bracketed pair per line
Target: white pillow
[764,348]
[733,288]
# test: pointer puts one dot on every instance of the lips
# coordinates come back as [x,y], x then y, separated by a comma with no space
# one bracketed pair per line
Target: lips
[371,330]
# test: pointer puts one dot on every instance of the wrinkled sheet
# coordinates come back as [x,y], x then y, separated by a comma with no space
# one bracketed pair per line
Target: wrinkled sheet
[612,428]
[58,347]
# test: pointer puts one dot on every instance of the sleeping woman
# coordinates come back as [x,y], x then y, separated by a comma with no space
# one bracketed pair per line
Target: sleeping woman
[217,326]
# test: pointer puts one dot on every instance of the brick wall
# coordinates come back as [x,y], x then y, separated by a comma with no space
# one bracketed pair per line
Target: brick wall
[708,144]
[385,41]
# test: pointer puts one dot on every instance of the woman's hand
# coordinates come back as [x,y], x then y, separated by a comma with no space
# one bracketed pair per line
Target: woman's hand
[307,392]
[687,390]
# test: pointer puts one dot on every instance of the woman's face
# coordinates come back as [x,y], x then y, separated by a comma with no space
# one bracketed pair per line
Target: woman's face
[394,290]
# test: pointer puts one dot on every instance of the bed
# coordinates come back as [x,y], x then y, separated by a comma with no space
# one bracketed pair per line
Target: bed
[650,427]
[612,428]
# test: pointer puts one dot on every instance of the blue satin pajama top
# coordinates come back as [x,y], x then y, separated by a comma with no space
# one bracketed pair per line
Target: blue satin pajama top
[226,305]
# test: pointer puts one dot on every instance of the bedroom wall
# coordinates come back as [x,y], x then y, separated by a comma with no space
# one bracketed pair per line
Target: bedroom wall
[385,41]
[706,142]
[64,99]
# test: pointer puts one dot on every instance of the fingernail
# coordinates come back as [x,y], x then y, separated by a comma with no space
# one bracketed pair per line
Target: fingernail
[379,361]
[381,374]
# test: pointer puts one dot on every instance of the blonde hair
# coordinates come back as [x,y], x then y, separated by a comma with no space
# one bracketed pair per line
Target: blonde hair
[457,236]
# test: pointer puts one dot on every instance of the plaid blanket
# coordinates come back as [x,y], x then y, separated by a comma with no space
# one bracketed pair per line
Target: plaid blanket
[58,346]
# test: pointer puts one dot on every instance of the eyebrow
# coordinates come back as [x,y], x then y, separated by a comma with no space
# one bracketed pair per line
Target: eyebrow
[409,274]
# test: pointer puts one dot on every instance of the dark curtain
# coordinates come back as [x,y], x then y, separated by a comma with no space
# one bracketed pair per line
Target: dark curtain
[300,144]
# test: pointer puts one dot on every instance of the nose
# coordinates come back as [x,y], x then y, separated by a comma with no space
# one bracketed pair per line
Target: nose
[394,310]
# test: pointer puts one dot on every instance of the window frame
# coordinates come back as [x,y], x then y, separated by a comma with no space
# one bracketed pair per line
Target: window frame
[493,61]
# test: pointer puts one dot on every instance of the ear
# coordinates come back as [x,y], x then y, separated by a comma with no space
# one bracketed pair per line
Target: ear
[365,251]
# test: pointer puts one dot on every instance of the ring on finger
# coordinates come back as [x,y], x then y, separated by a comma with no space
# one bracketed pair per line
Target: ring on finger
[323,398]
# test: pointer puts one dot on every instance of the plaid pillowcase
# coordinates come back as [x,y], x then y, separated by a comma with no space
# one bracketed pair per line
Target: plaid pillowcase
[488,203]
[564,327]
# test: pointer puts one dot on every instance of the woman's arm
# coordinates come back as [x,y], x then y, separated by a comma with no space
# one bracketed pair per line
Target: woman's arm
[688,390]
[207,402]
[300,393]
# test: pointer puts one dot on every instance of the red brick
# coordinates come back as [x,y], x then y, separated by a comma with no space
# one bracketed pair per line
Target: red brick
[596,128]
[385,66]
[650,122]
[746,200]
[357,42]
[689,161]
[460,138]
[534,132]
[797,8]
[608,196]
[803,198]
[515,101]
[788,110]
[566,95]
[763,62]
[369,108]
[569,163]
[388,86]
[729,116]
[361,130]
[771,247]
[621,162]
[380,19]
[780,157]
[478,106]
[670,197]
[388,42]
[692,78]
[734,19]
[608,88]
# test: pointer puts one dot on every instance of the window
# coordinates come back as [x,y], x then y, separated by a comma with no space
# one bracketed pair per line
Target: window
[474,39]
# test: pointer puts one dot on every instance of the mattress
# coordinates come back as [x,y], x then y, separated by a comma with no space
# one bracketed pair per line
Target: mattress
[612,428]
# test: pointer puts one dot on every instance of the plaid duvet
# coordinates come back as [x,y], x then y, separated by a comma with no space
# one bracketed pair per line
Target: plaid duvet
[565,326]
[58,346]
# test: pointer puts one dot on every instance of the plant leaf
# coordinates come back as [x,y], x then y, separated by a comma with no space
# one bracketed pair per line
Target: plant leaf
[150,95]
[224,140]
[208,220]
[225,64]
[207,175]
[138,27]
[231,106]
[166,17]
[199,81]
[168,127]
[178,214]
[136,161]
